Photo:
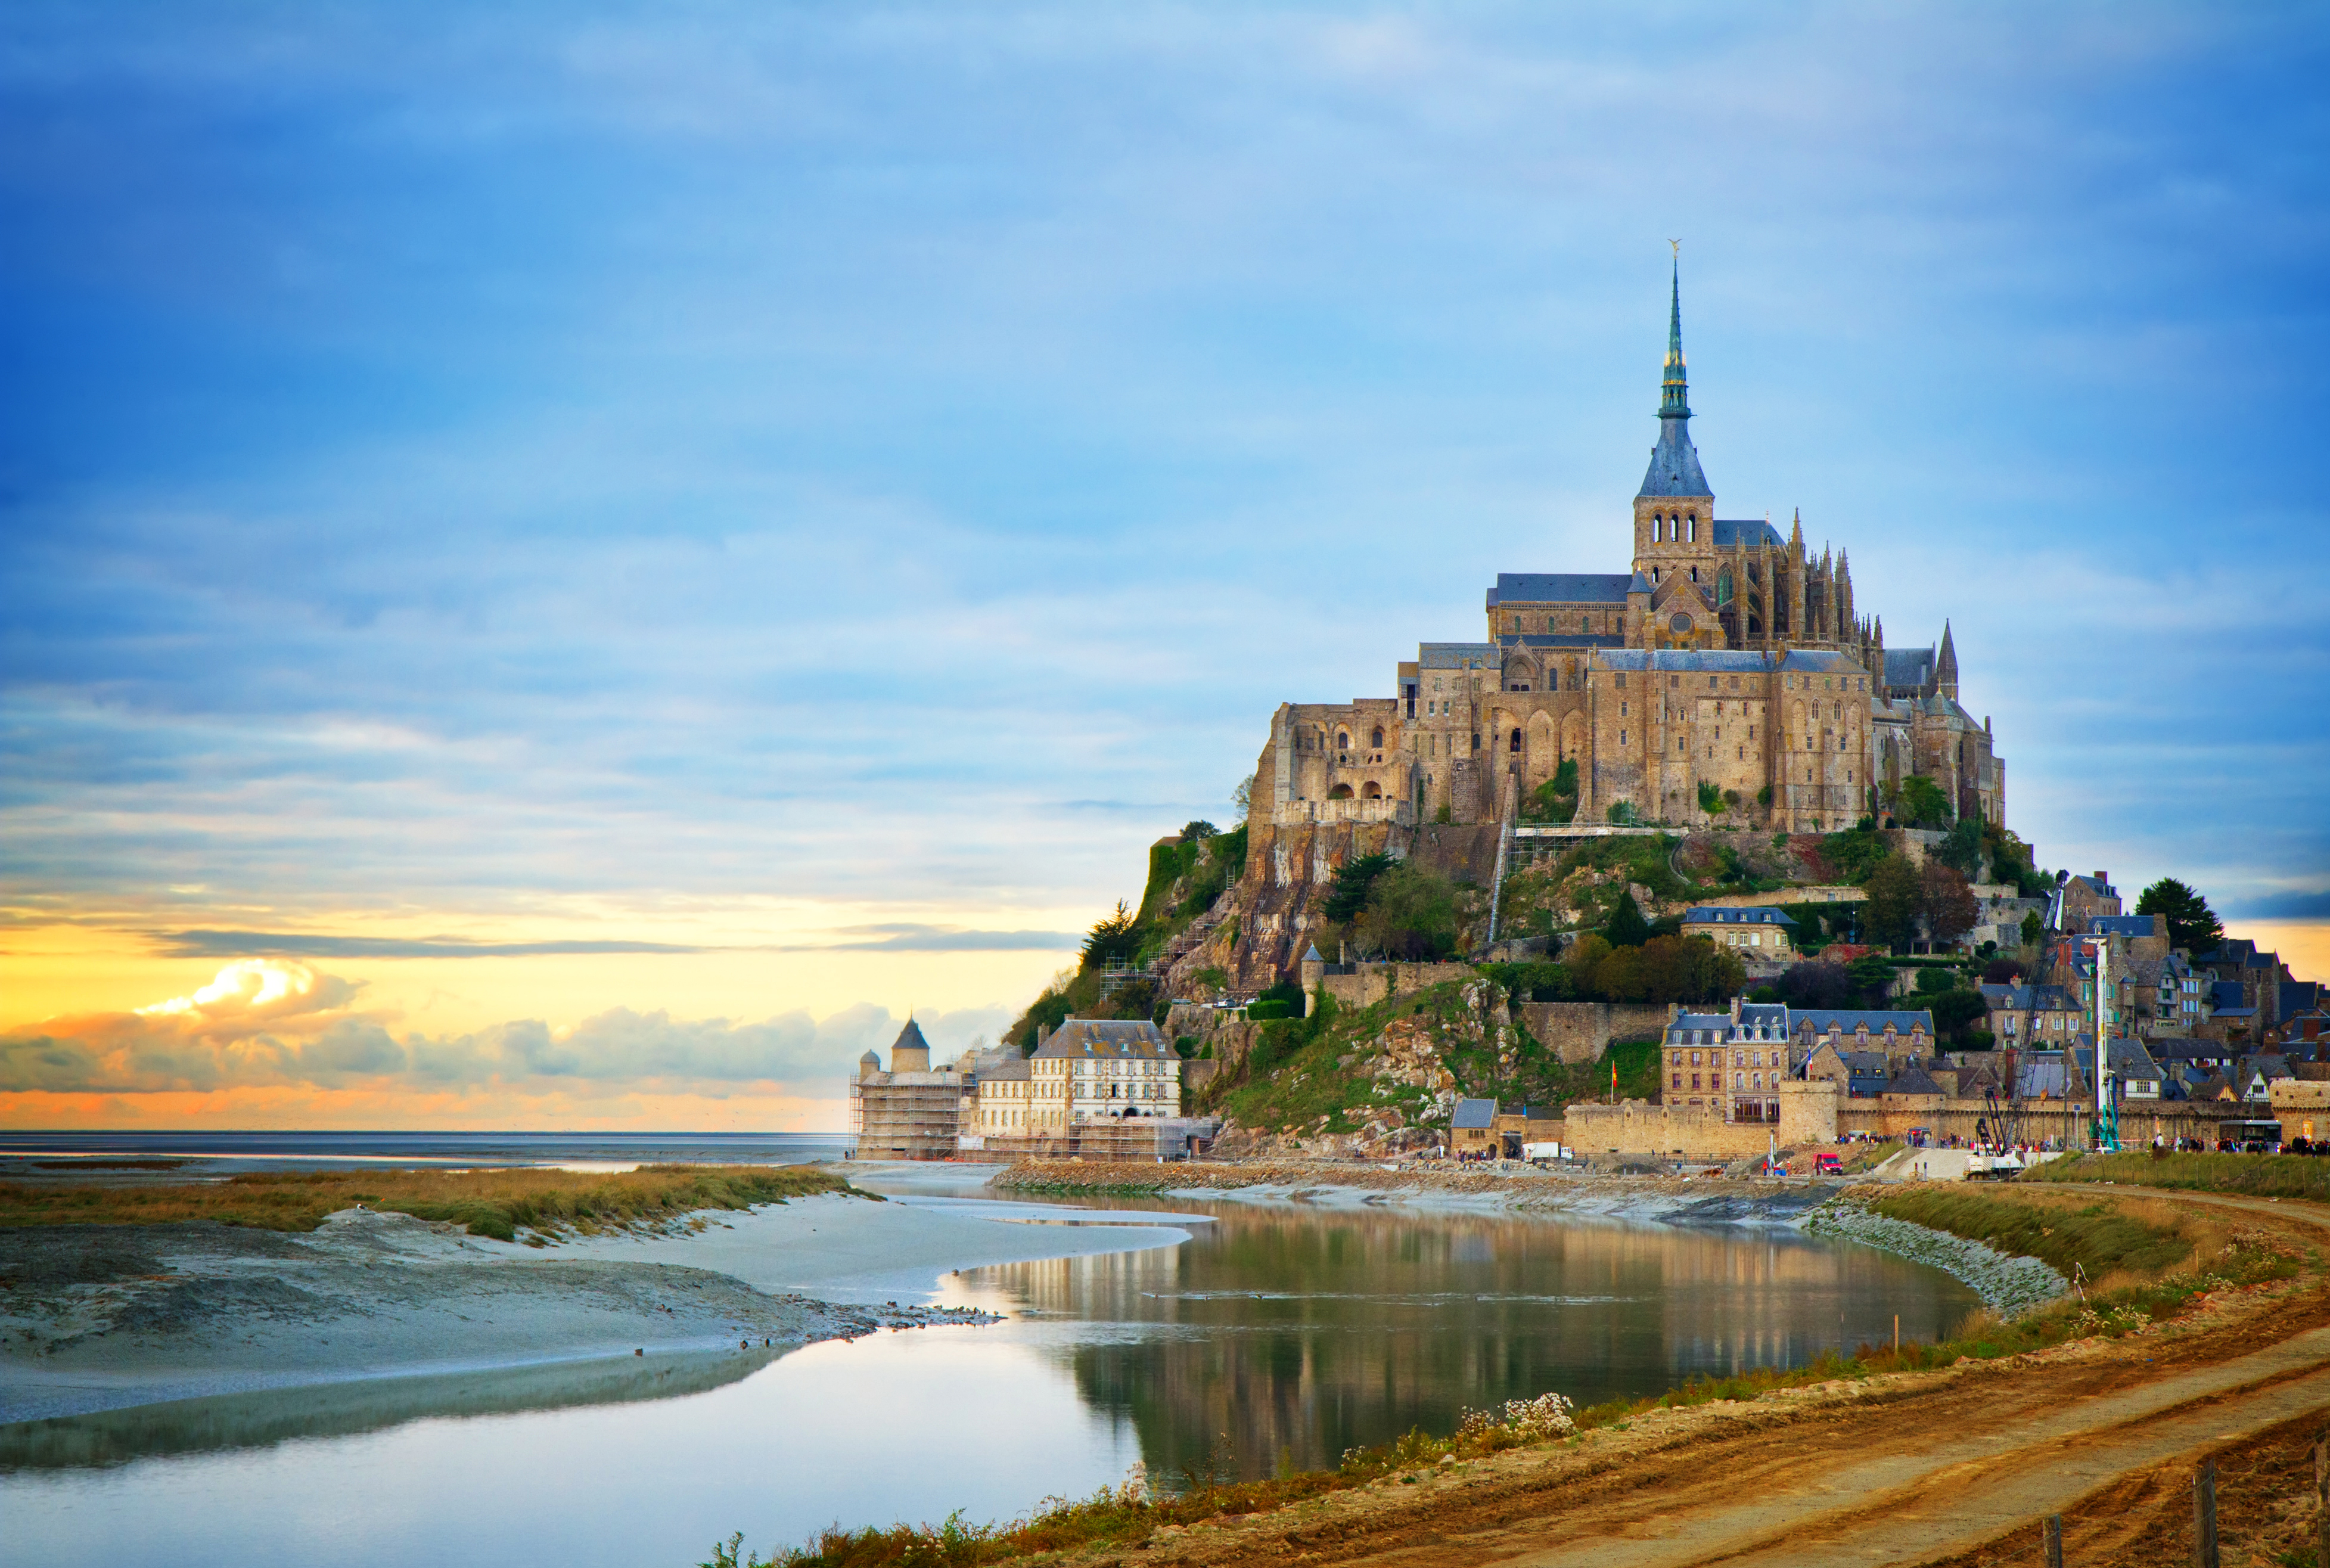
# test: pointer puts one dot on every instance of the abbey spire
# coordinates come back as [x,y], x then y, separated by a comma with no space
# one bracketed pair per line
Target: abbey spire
[1674,461]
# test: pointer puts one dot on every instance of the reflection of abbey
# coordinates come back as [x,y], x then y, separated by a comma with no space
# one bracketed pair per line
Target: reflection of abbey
[1726,657]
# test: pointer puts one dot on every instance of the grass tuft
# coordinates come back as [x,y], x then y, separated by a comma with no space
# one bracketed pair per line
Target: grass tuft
[2257,1175]
[499,1204]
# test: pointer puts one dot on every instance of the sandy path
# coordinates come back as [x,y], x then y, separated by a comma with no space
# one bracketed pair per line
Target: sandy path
[1908,1469]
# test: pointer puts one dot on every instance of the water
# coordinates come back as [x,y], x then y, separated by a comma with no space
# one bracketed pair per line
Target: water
[1274,1333]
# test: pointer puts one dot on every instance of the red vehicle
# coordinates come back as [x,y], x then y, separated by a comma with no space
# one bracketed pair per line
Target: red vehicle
[1827,1165]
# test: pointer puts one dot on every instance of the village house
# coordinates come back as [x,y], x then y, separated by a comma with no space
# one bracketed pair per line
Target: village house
[2030,1015]
[1764,933]
[1733,1059]
[1093,1070]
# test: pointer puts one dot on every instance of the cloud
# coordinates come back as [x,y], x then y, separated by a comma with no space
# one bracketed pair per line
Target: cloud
[2280,907]
[267,1022]
[902,937]
[196,944]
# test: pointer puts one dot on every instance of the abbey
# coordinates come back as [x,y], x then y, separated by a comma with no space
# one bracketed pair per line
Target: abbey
[1726,657]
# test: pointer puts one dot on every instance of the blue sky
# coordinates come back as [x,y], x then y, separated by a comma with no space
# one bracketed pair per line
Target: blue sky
[754,479]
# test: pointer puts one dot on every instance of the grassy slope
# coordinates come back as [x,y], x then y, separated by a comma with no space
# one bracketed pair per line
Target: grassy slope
[1304,1068]
[496,1203]
[2259,1175]
[2096,1237]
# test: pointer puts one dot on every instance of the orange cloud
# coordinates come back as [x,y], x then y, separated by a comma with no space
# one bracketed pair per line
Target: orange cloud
[272,1023]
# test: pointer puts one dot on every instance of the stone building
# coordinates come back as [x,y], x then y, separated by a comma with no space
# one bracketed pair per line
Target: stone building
[912,1112]
[1725,676]
[1758,934]
[1093,1070]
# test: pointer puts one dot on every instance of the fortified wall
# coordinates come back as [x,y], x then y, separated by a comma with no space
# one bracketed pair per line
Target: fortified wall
[1808,1114]
[1580,1031]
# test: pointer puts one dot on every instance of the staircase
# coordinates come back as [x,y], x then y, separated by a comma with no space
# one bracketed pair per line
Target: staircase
[1192,936]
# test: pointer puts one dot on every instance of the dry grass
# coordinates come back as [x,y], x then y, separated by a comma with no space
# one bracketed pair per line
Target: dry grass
[2259,1175]
[499,1204]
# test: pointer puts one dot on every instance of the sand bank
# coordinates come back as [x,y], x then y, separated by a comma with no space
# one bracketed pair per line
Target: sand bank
[105,1317]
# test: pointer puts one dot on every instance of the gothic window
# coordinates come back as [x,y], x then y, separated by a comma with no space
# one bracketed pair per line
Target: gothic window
[1342,740]
[1723,587]
[1516,743]
[1377,742]
[1694,528]
[1694,574]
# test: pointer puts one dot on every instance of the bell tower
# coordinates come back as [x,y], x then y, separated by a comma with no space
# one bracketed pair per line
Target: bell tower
[1674,511]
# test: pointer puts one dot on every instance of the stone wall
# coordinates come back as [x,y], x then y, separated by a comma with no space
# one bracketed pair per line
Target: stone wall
[1809,1116]
[1580,1032]
[1845,894]
[2068,1125]
[1372,983]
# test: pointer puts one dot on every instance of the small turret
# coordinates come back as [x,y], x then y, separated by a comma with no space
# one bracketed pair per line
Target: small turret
[1946,666]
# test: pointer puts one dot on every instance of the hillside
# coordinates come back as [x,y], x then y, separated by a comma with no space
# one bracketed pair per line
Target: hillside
[1227,917]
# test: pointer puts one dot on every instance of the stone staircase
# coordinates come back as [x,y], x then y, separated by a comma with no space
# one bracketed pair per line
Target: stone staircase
[1192,936]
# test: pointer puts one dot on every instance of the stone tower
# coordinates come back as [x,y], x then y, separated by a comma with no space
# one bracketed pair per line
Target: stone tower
[1674,511]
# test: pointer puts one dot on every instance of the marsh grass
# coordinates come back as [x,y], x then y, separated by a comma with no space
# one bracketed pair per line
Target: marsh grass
[2095,1238]
[2147,1261]
[499,1204]
[2258,1176]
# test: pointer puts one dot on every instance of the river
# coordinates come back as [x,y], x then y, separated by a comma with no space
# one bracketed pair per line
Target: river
[1276,1334]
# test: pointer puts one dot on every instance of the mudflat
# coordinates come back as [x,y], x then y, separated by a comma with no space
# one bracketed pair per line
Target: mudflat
[96,1317]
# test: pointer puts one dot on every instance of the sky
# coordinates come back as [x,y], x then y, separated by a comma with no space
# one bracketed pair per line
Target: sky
[571,566]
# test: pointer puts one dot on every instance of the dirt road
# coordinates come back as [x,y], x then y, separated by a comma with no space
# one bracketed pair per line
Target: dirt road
[1953,1467]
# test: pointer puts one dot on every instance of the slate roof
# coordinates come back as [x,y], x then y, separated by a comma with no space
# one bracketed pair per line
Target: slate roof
[1707,914]
[1913,1079]
[1473,1116]
[1562,640]
[1016,1071]
[1458,655]
[1848,1020]
[1753,532]
[1712,661]
[2120,925]
[1674,468]
[1560,588]
[1908,667]
[2299,996]
[909,1039]
[2172,1050]
[1113,1037]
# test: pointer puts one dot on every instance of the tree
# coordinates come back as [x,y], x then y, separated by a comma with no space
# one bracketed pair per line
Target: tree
[2033,927]
[1411,914]
[1198,832]
[1242,797]
[1711,799]
[1626,927]
[1962,851]
[1954,1010]
[1946,903]
[1583,959]
[1619,977]
[1816,983]
[1111,937]
[1923,804]
[1872,972]
[2003,971]
[2192,924]
[1353,879]
[1890,914]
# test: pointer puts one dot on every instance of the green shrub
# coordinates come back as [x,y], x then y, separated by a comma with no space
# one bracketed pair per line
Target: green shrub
[1711,799]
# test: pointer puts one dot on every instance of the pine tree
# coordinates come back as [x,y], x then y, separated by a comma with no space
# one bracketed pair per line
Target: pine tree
[2192,924]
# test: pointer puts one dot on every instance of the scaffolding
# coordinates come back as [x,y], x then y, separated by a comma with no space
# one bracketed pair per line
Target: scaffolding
[906,1115]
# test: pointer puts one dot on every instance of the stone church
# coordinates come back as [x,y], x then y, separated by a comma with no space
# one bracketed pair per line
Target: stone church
[1726,656]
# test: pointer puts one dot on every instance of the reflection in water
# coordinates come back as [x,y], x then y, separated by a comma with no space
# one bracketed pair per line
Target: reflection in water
[260,1420]
[1297,1333]
[1294,1331]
